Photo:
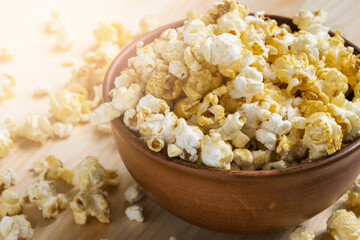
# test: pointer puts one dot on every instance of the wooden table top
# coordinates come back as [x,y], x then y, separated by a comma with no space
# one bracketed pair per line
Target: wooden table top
[22,30]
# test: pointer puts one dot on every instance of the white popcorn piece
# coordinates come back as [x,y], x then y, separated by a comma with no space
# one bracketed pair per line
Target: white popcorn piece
[230,130]
[254,114]
[90,174]
[354,194]
[155,105]
[37,128]
[41,194]
[6,82]
[126,98]
[133,194]
[178,69]
[91,203]
[232,23]
[343,225]
[104,113]
[305,18]
[267,138]
[130,120]
[221,50]
[8,134]
[188,138]
[215,152]
[194,32]
[6,55]
[134,213]
[10,203]
[190,60]
[69,107]
[42,90]
[169,46]
[62,130]
[8,179]
[248,83]
[302,233]
[15,227]
[149,23]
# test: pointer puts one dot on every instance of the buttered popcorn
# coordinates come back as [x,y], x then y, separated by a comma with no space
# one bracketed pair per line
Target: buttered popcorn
[233,90]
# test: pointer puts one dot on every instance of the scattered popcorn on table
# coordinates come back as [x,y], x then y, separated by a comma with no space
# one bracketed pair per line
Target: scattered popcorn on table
[62,130]
[6,82]
[149,23]
[6,55]
[134,213]
[41,194]
[254,92]
[42,90]
[55,23]
[302,233]
[133,194]
[37,128]
[70,107]
[90,203]
[8,179]
[8,133]
[65,40]
[90,174]
[10,203]
[53,168]
[16,227]
[354,194]
[343,225]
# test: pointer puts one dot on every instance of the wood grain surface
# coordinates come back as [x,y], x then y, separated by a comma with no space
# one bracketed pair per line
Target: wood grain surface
[37,60]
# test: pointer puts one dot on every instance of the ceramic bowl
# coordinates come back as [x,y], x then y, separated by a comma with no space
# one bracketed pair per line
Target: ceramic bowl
[227,200]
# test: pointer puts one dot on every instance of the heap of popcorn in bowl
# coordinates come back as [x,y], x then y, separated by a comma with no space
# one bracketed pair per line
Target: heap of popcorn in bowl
[237,91]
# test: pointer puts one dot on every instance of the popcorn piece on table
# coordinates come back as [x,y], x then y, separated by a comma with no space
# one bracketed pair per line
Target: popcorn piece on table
[62,130]
[65,40]
[10,203]
[41,194]
[114,33]
[8,179]
[69,107]
[6,55]
[301,233]
[354,194]
[343,225]
[90,174]
[16,227]
[6,82]
[215,152]
[8,133]
[134,213]
[37,128]
[133,194]
[149,23]
[56,23]
[90,203]
[42,90]
[53,168]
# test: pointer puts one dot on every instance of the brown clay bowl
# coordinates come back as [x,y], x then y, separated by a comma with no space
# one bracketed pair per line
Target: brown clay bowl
[226,200]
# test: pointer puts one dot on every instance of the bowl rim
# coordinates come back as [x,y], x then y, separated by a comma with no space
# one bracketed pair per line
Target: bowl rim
[120,128]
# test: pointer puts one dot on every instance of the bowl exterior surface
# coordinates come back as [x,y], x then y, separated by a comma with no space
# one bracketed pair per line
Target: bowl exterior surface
[231,201]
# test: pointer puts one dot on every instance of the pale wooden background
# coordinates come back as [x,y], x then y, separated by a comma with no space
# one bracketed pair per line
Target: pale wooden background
[22,29]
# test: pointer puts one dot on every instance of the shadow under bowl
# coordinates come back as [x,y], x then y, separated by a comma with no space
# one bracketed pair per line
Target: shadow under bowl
[230,200]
